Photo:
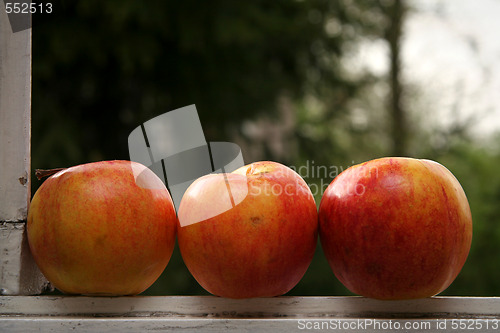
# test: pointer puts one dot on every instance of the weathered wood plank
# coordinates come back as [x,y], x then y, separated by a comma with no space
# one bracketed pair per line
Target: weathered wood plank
[18,273]
[15,115]
[277,314]
[288,325]
[285,306]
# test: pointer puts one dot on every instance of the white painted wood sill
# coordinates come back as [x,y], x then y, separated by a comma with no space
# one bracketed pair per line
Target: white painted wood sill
[277,314]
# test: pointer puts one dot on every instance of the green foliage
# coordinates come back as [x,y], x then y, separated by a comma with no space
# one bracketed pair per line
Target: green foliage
[477,170]
[102,68]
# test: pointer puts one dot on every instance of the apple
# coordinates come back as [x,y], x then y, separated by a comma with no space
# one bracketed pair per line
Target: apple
[103,228]
[395,228]
[261,244]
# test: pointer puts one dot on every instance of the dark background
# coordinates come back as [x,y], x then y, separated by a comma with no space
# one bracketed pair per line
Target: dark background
[271,76]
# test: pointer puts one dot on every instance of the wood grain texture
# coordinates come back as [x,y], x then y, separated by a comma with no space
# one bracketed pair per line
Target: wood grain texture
[15,115]
[18,273]
[92,325]
[284,306]
[210,314]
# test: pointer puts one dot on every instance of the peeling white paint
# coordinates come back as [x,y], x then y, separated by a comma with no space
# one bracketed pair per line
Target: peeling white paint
[18,272]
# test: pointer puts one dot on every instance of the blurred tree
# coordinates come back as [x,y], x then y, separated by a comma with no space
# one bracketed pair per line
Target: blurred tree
[396,14]
[102,68]
[477,170]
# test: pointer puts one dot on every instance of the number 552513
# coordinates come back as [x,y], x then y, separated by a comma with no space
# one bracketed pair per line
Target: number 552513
[28,7]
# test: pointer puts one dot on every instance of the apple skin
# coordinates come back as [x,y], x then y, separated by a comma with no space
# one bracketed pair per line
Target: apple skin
[93,230]
[395,228]
[262,246]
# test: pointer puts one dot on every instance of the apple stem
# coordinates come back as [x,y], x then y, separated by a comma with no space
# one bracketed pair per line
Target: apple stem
[41,173]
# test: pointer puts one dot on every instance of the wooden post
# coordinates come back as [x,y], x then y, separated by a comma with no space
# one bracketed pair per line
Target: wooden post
[18,273]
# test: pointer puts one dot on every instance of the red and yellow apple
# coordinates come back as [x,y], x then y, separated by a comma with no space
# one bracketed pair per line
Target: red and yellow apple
[249,233]
[395,228]
[104,228]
